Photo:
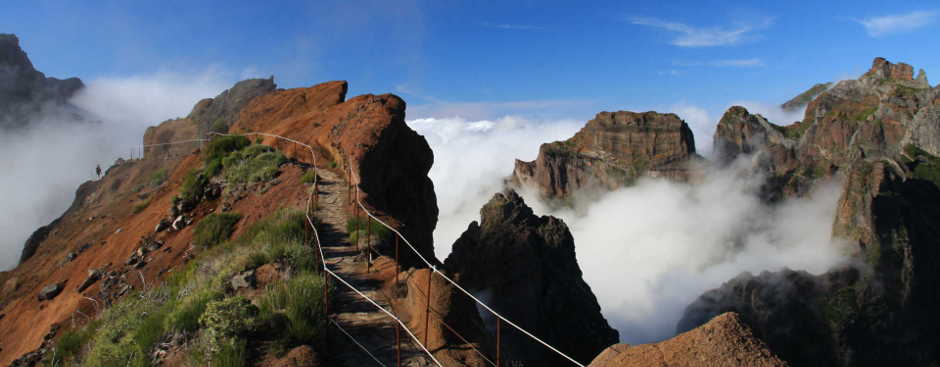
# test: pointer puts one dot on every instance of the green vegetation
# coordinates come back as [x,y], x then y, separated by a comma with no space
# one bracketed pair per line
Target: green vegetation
[358,228]
[139,207]
[863,115]
[220,327]
[925,165]
[255,163]
[158,177]
[840,306]
[332,164]
[309,177]
[194,186]
[221,146]
[214,229]
[219,126]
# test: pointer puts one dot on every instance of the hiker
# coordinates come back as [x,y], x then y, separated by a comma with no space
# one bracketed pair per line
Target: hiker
[98,171]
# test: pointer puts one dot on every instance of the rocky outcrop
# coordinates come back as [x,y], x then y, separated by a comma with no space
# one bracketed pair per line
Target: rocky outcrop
[525,268]
[208,115]
[219,113]
[611,151]
[802,99]
[25,92]
[365,137]
[724,341]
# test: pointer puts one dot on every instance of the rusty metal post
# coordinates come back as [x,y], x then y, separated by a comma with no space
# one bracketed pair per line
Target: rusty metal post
[356,231]
[326,294]
[369,241]
[397,345]
[427,311]
[397,265]
[497,341]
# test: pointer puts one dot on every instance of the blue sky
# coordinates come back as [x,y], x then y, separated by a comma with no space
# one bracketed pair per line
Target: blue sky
[482,59]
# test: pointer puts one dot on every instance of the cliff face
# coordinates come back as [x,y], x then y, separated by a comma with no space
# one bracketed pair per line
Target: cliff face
[526,267]
[367,138]
[611,151]
[878,133]
[26,92]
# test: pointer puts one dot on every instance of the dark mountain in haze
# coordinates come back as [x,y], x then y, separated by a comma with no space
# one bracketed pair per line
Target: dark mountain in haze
[26,92]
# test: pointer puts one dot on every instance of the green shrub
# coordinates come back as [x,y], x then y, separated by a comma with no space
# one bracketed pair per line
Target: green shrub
[194,186]
[228,319]
[309,177]
[221,146]
[139,207]
[215,228]
[252,165]
[219,126]
[185,316]
[379,232]
[158,177]
[300,299]
[333,164]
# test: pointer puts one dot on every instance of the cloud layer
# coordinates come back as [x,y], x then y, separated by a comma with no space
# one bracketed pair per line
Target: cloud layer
[897,23]
[647,251]
[56,154]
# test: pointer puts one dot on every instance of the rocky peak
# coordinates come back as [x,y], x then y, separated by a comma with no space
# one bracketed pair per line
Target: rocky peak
[11,54]
[219,113]
[609,152]
[526,267]
[26,92]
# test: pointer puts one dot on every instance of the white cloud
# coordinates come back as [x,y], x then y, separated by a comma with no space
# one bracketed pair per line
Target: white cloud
[690,36]
[740,63]
[471,159]
[888,24]
[772,112]
[700,122]
[57,154]
[649,250]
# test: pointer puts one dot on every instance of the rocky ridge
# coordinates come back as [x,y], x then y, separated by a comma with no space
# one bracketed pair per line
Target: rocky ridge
[611,151]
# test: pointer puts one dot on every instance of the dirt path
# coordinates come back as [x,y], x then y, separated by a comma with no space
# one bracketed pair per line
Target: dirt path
[369,326]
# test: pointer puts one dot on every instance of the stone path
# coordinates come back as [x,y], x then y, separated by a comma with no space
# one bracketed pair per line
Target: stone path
[371,327]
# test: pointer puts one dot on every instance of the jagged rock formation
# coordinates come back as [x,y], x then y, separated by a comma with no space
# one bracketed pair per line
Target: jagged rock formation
[724,341]
[367,138]
[802,99]
[525,266]
[879,133]
[611,151]
[208,115]
[25,92]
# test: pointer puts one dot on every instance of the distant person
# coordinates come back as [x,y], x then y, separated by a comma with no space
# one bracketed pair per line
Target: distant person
[98,171]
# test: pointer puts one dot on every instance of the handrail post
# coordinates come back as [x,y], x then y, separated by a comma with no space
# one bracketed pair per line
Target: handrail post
[497,341]
[369,242]
[427,311]
[397,264]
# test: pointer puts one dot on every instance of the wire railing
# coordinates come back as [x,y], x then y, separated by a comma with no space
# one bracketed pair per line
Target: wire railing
[311,206]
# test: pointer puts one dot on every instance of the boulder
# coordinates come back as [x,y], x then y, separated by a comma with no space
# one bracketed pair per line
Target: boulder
[526,267]
[49,292]
[245,279]
[93,276]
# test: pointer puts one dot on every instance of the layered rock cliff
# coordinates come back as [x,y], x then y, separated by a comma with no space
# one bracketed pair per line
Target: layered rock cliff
[26,93]
[524,266]
[879,134]
[611,151]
